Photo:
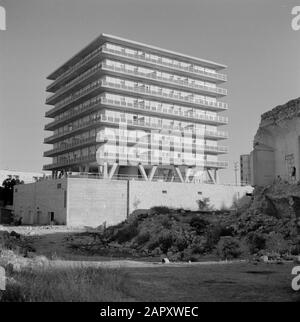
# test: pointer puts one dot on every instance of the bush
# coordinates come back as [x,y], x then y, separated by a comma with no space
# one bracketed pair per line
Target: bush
[161,210]
[166,223]
[143,238]
[256,242]
[228,248]
[199,224]
[165,241]
[215,232]
[127,233]
[181,243]
[203,204]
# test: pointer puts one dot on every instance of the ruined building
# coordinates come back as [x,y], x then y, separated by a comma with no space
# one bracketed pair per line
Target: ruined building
[276,153]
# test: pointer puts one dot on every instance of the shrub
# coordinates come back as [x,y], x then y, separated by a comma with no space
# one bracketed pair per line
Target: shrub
[228,248]
[166,223]
[276,243]
[203,204]
[181,243]
[256,242]
[161,210]
[165,241]
[215,232]
[199,224]
[127,233]
[143,238]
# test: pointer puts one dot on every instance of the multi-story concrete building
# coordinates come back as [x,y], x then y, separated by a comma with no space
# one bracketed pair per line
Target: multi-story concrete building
[123,108]
[245,170]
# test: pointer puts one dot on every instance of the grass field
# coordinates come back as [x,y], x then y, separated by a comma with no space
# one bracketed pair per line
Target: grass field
[231,282]
[200,283]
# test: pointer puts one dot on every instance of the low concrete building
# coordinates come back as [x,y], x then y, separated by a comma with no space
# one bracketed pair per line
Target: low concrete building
[93,202]
[276,152]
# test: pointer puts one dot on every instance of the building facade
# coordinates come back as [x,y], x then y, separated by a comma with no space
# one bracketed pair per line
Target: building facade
[126,109]
[276,149]
[245,170]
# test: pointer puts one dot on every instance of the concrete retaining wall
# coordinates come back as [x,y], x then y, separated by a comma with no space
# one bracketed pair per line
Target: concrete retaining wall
[91,202]
[144,195]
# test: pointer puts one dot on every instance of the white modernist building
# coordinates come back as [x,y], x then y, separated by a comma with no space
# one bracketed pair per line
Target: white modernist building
[127,109]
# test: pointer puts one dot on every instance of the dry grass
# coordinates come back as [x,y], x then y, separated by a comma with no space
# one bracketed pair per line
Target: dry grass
[66,285]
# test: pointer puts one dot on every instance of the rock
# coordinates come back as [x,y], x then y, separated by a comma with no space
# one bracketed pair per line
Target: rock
[165,260]
[265,258]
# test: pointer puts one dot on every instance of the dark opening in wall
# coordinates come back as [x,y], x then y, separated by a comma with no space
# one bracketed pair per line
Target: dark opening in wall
[59,186]
[164,191]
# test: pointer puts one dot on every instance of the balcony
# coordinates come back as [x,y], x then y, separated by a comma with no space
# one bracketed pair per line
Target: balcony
[155,79]
[144,159]
[87,60]
[216,135]
[70,146]
[209,105]
[163,111]
[66,162]
[217,77]
[210,149]
[202,89]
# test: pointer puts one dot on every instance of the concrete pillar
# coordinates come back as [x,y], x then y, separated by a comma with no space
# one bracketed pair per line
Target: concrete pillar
[105,170]
[86,168]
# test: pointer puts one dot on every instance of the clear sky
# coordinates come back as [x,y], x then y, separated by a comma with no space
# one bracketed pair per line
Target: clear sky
[253,37]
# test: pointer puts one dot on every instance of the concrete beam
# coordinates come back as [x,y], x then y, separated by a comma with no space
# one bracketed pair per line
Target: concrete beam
[211,177]
[113,170]
[143,172]
[152,172]
[179,174]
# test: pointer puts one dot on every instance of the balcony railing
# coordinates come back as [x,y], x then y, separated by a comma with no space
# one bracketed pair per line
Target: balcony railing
[165,160]
[163,110]
[160,62]
[69,146]
[154,76]
[143,58]
[75,81]
[127,71]
[84,60]
[66,162]
[186,99]
[183,146]
[140,123]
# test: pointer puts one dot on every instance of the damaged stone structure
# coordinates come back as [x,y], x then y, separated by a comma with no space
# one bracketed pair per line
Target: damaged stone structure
[276,153]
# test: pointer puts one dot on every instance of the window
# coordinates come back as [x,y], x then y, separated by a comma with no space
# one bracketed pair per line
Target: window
[164,192]
[59,186]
